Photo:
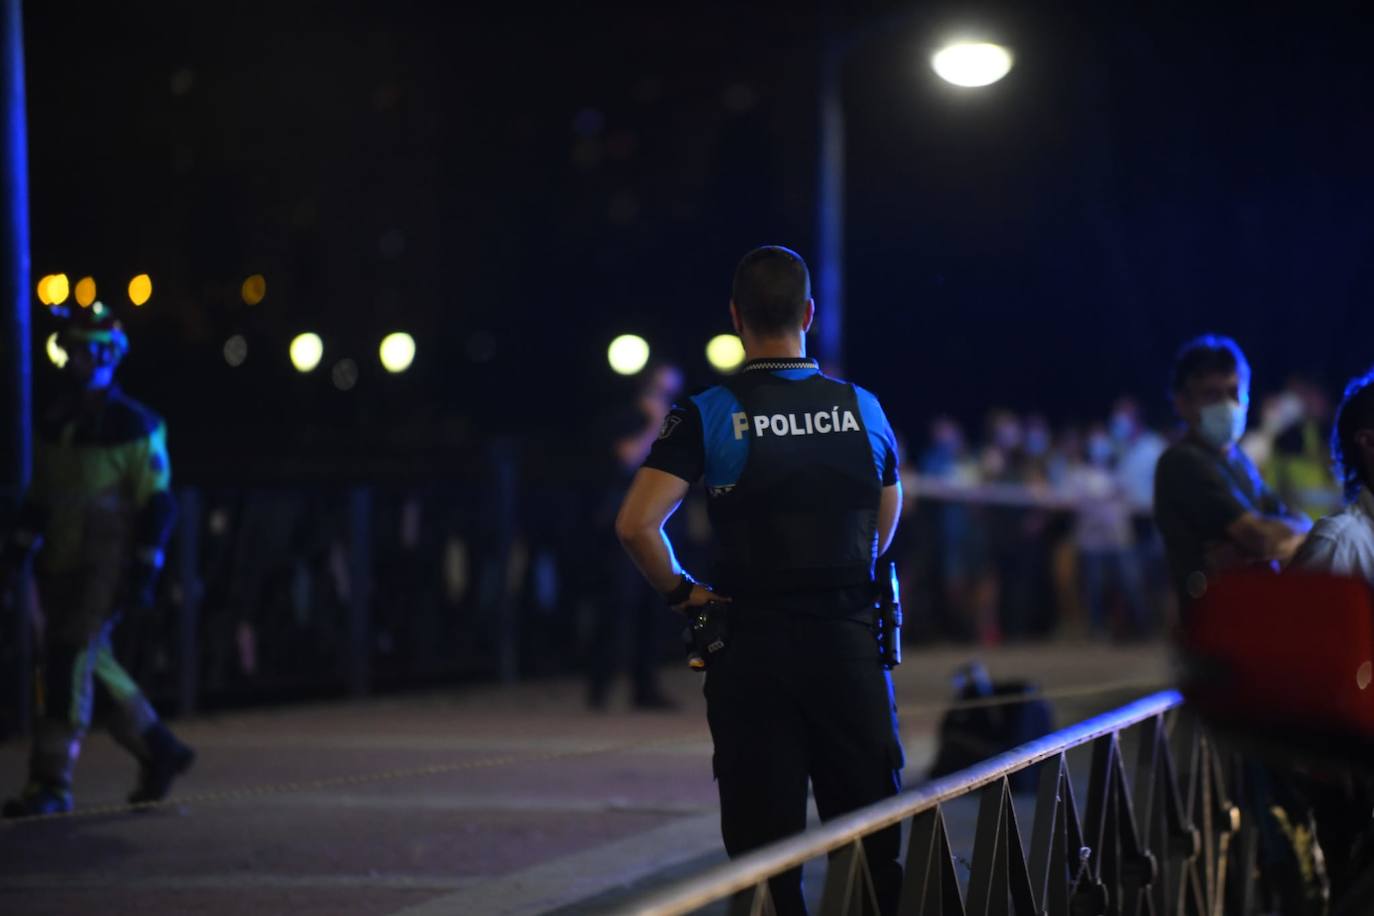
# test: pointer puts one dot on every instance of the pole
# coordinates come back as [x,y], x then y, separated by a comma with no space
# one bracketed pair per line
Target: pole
[829,291]
[15,353]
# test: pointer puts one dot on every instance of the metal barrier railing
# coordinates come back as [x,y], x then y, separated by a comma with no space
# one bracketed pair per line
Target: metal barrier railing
[1158,842]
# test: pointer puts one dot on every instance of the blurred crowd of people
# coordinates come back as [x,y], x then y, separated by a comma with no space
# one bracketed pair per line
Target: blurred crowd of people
[1026,530]
[1032,530]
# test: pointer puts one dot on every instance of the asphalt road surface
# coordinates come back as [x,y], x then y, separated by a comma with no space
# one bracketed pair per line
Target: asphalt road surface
[484,800]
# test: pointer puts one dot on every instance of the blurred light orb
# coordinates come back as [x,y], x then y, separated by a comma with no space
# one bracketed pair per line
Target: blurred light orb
[397,351]
[56,287]
[56,354]
[140,289]
[254,289]
[236,350]
[85,292]
[306,352]
[628,354]
[345,374]
[98,307]
[972,63]
[725,352]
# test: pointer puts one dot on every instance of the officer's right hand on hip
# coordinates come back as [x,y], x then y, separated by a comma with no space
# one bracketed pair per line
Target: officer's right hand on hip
[701,595]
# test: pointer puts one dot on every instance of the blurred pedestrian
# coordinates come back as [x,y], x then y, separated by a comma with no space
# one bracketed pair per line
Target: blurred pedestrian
[623,621]
[97,514]
[1105,540]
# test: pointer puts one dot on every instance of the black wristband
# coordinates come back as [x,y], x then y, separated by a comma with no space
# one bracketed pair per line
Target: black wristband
[682,591]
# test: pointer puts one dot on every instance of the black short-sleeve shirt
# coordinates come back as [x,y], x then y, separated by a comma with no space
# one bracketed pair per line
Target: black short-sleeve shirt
[1199,493]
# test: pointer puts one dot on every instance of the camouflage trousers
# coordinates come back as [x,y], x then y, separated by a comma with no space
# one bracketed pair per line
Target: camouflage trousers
[77,609]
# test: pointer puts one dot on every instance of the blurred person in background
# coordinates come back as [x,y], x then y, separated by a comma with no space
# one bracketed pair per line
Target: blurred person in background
[955,545]
[1212,507]
[1018,536]
[618,601]
[1137,450]
[1343,544]
[1298,467]
[97,514]
[1105,540]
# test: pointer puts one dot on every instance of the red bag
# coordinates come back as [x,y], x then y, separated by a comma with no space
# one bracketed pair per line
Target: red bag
[1295,650]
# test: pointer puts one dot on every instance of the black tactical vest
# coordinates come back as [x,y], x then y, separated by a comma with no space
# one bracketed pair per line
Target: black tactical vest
[804,513]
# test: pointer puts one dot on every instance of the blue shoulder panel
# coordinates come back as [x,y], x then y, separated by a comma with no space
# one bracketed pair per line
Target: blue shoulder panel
[725,454]
[880,434]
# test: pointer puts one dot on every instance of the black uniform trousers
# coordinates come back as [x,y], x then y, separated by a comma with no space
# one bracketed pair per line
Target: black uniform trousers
[793,699]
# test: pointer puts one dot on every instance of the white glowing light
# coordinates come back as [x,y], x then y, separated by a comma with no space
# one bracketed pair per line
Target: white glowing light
[972,63]
[725,352]
[397,351]
[306,352]
[236,350]
[55,351]
[628,353]
[345,374]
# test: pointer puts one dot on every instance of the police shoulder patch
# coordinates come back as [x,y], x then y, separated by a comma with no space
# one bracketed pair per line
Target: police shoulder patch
[670,423]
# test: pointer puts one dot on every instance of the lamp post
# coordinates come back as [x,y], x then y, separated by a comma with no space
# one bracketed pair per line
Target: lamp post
[14,238]
[965,64]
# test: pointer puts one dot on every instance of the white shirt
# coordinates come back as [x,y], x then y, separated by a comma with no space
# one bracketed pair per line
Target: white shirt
[1342,544]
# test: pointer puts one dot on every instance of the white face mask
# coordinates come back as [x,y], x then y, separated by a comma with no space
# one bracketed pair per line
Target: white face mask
[1222,424]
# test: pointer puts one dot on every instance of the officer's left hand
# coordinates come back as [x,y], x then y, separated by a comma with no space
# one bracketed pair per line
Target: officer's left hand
[701,596]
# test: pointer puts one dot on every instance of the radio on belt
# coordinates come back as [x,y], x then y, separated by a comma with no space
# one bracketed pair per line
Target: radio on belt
[887,624]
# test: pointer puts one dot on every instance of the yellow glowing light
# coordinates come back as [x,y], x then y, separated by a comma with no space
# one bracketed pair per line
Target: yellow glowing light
[628,353]
[306,352]
[397,351]
[53,289]
[85,292]
[725,352]
[972,63]
[140,289]
[254,289]
[55,351]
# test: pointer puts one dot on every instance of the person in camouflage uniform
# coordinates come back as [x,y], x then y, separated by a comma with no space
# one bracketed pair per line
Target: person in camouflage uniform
[96,516]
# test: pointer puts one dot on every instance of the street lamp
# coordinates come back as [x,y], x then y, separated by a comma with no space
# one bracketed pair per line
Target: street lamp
[964,63]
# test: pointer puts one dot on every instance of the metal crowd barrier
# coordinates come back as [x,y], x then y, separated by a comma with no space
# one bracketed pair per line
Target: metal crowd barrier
[1159,842]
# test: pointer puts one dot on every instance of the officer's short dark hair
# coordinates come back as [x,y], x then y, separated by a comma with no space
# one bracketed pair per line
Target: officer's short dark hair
[1207,355]
[1355,413]
[771,288]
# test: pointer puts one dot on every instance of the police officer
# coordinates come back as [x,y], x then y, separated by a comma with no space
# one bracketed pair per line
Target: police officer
[801,474]
[98,514]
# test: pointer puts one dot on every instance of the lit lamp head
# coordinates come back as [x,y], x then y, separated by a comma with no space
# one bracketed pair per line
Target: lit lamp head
[972,64]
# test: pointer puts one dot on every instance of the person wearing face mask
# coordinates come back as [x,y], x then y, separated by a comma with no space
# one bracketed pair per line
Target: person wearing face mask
[1215,513]
[97,516]
[1212,508]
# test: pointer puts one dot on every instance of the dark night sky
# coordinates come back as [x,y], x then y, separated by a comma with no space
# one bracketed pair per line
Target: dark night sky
[529,185]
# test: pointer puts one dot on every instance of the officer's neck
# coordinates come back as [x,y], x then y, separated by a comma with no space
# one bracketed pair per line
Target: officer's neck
[775,348]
